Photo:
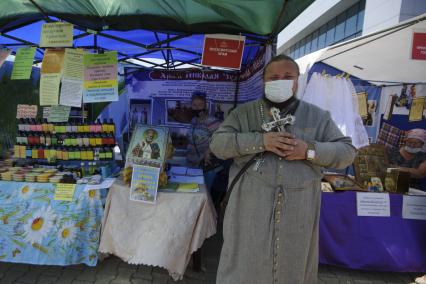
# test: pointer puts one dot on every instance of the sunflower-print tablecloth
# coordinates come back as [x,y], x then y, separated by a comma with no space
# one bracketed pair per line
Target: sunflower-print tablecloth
[36,229]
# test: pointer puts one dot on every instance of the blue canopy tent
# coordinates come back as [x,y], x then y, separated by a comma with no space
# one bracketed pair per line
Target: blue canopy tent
[163,34]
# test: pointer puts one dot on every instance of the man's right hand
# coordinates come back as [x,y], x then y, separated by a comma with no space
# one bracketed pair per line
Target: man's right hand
[279,142]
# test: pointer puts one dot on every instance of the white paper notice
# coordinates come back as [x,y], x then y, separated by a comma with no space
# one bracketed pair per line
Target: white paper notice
[414,207]
[373,204]
[107,183]
[71,92]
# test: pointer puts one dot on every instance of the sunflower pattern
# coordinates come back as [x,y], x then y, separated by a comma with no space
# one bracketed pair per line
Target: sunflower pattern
[35,228]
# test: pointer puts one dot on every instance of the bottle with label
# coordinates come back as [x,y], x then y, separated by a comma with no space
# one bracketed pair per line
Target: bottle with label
[21,124]
[36,138]
[42,139]
[48,139]
[104,125]
[111,126]
[90,154]
[28,152]
[34,153]
[98,139]
[45,126]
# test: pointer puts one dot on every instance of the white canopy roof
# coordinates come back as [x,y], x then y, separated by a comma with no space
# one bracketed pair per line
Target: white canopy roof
[382,57]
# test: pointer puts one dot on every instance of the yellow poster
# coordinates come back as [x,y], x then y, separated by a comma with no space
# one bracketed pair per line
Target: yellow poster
[416,109]
[23,64]
[53,60]
[57,34]
[73,64]
[362,104]
[64,192]
[49,89]
[98,84]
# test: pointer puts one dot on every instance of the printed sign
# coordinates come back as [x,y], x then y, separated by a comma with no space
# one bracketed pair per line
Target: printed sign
[52,61]
[59,113]
[144,184]
[23,64]
[49,89]
[224,51]
[373,204]
[26,111]
[57,34]
[414,207]
[64,192]
[100,77]
[418,51]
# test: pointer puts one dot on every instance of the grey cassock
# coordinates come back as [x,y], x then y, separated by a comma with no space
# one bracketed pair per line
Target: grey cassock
[271,222]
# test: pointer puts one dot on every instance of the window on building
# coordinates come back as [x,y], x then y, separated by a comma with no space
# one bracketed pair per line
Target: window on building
[308,40]
[340,27]
[360,19]
[331,27]
[350,24]
[314,43]
[345,26]
[322,36]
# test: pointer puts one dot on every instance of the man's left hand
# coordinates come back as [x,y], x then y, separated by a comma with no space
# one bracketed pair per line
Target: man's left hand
[298,152]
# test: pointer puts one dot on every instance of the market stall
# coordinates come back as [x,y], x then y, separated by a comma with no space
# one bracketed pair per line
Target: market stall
[381,230]
[86,50]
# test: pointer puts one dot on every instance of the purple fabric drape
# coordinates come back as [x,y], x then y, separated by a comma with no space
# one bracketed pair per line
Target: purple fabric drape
[370,243]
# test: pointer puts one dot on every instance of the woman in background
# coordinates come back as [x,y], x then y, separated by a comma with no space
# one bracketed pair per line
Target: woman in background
[411,158]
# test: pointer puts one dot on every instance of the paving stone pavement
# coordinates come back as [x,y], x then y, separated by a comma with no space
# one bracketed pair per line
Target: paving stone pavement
[114,271]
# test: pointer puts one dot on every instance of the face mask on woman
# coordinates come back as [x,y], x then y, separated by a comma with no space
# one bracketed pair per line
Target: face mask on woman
[412,150]
[279,91]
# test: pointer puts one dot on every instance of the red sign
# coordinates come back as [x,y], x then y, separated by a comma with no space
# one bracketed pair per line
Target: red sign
[224,51]
[419,46]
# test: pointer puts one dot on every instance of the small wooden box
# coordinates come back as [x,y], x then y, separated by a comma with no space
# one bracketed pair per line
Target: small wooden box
[371,161]
[397,181]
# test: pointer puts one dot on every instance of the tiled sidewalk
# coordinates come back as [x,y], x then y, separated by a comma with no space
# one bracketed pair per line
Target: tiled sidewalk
[113,270]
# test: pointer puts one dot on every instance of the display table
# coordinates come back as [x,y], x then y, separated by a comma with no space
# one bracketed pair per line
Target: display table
[36,229]
[370,243]
[164,234]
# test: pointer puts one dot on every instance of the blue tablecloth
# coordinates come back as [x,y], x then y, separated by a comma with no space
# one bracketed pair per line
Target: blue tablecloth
[36,229]
[370,243]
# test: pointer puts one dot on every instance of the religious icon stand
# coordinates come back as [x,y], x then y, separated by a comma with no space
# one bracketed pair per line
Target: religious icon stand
[145,158]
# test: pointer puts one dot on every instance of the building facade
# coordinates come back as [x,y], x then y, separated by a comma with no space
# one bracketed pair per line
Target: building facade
[328,22]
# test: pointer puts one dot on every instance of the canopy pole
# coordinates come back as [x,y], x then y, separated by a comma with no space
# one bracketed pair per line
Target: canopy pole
[158,40]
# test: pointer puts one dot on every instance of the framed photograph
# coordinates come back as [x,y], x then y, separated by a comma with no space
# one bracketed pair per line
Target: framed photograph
[362,104]
[416,109]
[147,146]
[144,186]
[179,135]
[179,111]
[140,113]
[389,107]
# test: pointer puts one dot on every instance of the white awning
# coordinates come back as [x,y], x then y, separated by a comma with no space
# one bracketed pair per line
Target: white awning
[382,57]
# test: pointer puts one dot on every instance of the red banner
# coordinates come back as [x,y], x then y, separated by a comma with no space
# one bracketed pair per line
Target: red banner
[224,51]
[418,51]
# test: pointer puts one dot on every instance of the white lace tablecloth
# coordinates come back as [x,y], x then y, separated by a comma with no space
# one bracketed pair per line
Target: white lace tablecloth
[164,234]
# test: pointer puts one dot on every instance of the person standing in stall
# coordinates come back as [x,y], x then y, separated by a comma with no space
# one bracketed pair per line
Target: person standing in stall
[411,158]
[271,223]
[202,127]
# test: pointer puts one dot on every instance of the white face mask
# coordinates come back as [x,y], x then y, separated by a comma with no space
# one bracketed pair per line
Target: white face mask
[412,150]
[279,91]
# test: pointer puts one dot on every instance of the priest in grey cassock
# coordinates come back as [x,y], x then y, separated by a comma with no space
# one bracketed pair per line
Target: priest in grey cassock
[271,223]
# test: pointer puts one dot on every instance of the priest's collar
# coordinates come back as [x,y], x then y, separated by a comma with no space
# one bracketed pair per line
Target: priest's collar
[285,107]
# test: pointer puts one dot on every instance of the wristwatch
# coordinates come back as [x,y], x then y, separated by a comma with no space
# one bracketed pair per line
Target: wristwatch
[310,152]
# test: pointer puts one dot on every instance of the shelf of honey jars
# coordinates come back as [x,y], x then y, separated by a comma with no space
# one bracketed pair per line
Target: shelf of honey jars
[71,141]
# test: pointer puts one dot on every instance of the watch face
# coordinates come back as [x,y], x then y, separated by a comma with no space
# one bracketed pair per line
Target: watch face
[311,154]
